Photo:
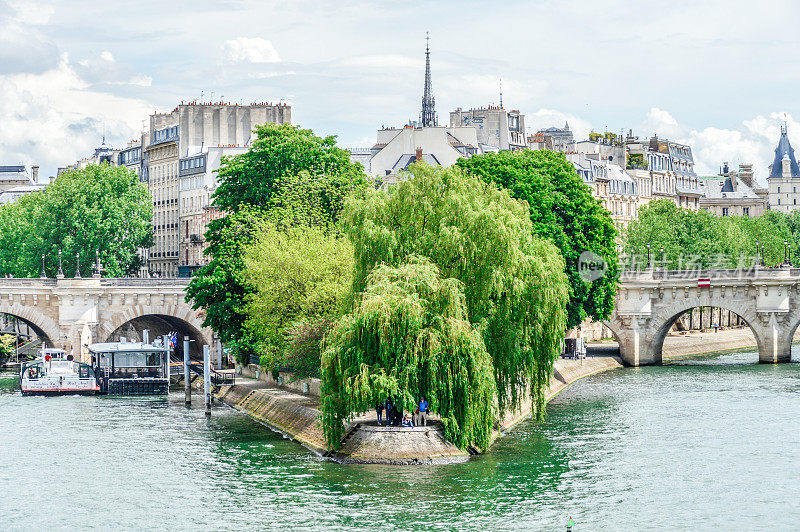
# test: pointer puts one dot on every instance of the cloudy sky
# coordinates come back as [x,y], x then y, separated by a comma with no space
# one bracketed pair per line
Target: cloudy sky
[720,75]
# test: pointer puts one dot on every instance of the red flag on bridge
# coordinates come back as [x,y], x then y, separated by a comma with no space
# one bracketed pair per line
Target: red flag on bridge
[704,283]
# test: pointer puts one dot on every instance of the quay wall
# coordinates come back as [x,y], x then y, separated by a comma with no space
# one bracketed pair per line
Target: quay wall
[287,380]
[292,414]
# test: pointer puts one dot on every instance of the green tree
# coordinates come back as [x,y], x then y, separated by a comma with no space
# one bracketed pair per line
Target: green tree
[409,336]
[300,277]
[563,211]
[289,176]
[281,151]
[96,209]
[691,239]
[7,342]
[514,283]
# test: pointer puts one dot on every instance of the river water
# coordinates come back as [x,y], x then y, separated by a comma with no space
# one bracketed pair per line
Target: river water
[710,443]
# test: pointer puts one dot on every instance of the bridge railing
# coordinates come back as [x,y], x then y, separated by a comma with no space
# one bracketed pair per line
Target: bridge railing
[144,281]
[658,274]
[26,281]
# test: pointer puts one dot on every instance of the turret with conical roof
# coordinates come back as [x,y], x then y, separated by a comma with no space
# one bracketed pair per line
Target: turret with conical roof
[782,151]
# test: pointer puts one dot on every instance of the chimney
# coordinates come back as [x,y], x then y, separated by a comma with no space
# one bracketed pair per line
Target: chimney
[419,155]
[35,174]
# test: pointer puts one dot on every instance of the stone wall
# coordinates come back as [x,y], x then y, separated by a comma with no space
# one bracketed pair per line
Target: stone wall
[287,380]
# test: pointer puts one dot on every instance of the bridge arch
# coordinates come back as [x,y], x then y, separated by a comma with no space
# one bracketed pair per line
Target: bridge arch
[664,319]
[169,316]
[44,326]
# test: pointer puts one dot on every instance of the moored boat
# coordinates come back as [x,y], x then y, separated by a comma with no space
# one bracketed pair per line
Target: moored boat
[55,372]
[131,368]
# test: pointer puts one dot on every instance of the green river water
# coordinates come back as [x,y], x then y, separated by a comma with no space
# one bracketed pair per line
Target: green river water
[710,444]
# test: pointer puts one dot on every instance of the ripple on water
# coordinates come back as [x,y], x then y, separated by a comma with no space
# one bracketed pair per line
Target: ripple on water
[687,445]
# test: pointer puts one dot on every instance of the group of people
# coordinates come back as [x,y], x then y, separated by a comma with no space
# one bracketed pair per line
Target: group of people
[396,418]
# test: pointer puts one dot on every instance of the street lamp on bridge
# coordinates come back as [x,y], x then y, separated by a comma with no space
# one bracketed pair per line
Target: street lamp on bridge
[648,256]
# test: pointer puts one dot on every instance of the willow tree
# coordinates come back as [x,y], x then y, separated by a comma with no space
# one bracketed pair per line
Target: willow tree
[409,336]
[563,211]
[515,288]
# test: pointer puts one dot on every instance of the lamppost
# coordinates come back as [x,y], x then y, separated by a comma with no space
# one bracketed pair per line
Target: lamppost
[758,259]
[77,265]
[662,257]
[44,274]
[60,274]
[648,256]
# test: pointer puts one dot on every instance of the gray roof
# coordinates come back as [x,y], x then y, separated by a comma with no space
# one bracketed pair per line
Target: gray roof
[13,173]
[722,188]
[784,148]
[13,194]
[408,158]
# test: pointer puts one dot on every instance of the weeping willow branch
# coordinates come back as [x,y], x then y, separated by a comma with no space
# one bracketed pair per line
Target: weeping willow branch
[409,336]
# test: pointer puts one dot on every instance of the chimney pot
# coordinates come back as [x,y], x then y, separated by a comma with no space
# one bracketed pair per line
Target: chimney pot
[419,155]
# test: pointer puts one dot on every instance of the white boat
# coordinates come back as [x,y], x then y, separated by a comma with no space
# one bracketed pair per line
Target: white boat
[55,372]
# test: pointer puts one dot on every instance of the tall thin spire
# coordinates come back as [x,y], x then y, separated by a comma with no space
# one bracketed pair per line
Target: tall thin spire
[428,115]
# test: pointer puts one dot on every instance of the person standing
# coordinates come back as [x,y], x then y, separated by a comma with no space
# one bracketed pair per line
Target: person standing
[423,412]
[389,411]
[379,410]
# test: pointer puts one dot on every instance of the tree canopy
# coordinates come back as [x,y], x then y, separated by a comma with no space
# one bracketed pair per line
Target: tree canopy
[692,239]
[409,336]
[300,275]
[289,177]
[284,151]
[563,211]
[514,284]
[98,209]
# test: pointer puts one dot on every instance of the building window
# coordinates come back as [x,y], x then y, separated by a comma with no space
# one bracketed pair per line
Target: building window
[779,189]
[724,211]
[779,201]
[746,211]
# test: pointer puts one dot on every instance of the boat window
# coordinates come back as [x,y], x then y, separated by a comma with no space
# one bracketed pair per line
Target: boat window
[137,360]
[105,360]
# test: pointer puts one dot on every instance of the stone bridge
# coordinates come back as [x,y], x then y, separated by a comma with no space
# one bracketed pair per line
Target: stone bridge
[70,313]
[649,302]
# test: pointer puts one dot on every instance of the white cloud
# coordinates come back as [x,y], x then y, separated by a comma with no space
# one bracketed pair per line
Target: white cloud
[383,61]
[35,13]
[250,50]
[107,56]
[54,118]
[754,142]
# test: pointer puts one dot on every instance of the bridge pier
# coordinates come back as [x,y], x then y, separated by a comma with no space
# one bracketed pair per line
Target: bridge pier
[776,348]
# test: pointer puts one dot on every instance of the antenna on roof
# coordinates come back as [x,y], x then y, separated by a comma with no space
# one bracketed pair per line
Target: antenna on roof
[501,92]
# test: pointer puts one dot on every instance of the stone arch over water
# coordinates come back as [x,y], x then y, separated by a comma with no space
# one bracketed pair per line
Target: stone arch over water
[44,326]
[158,319]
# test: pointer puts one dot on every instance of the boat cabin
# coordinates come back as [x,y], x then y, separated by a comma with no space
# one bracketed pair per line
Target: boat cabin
[131,368]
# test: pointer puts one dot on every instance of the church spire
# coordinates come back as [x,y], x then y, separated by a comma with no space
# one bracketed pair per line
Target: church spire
[428,115]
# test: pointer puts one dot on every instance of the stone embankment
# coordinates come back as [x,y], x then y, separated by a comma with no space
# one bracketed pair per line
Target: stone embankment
[294,414]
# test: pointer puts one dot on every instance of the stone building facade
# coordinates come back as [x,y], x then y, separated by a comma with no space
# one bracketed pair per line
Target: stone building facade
[496,128]
[733,193]
[185,134]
